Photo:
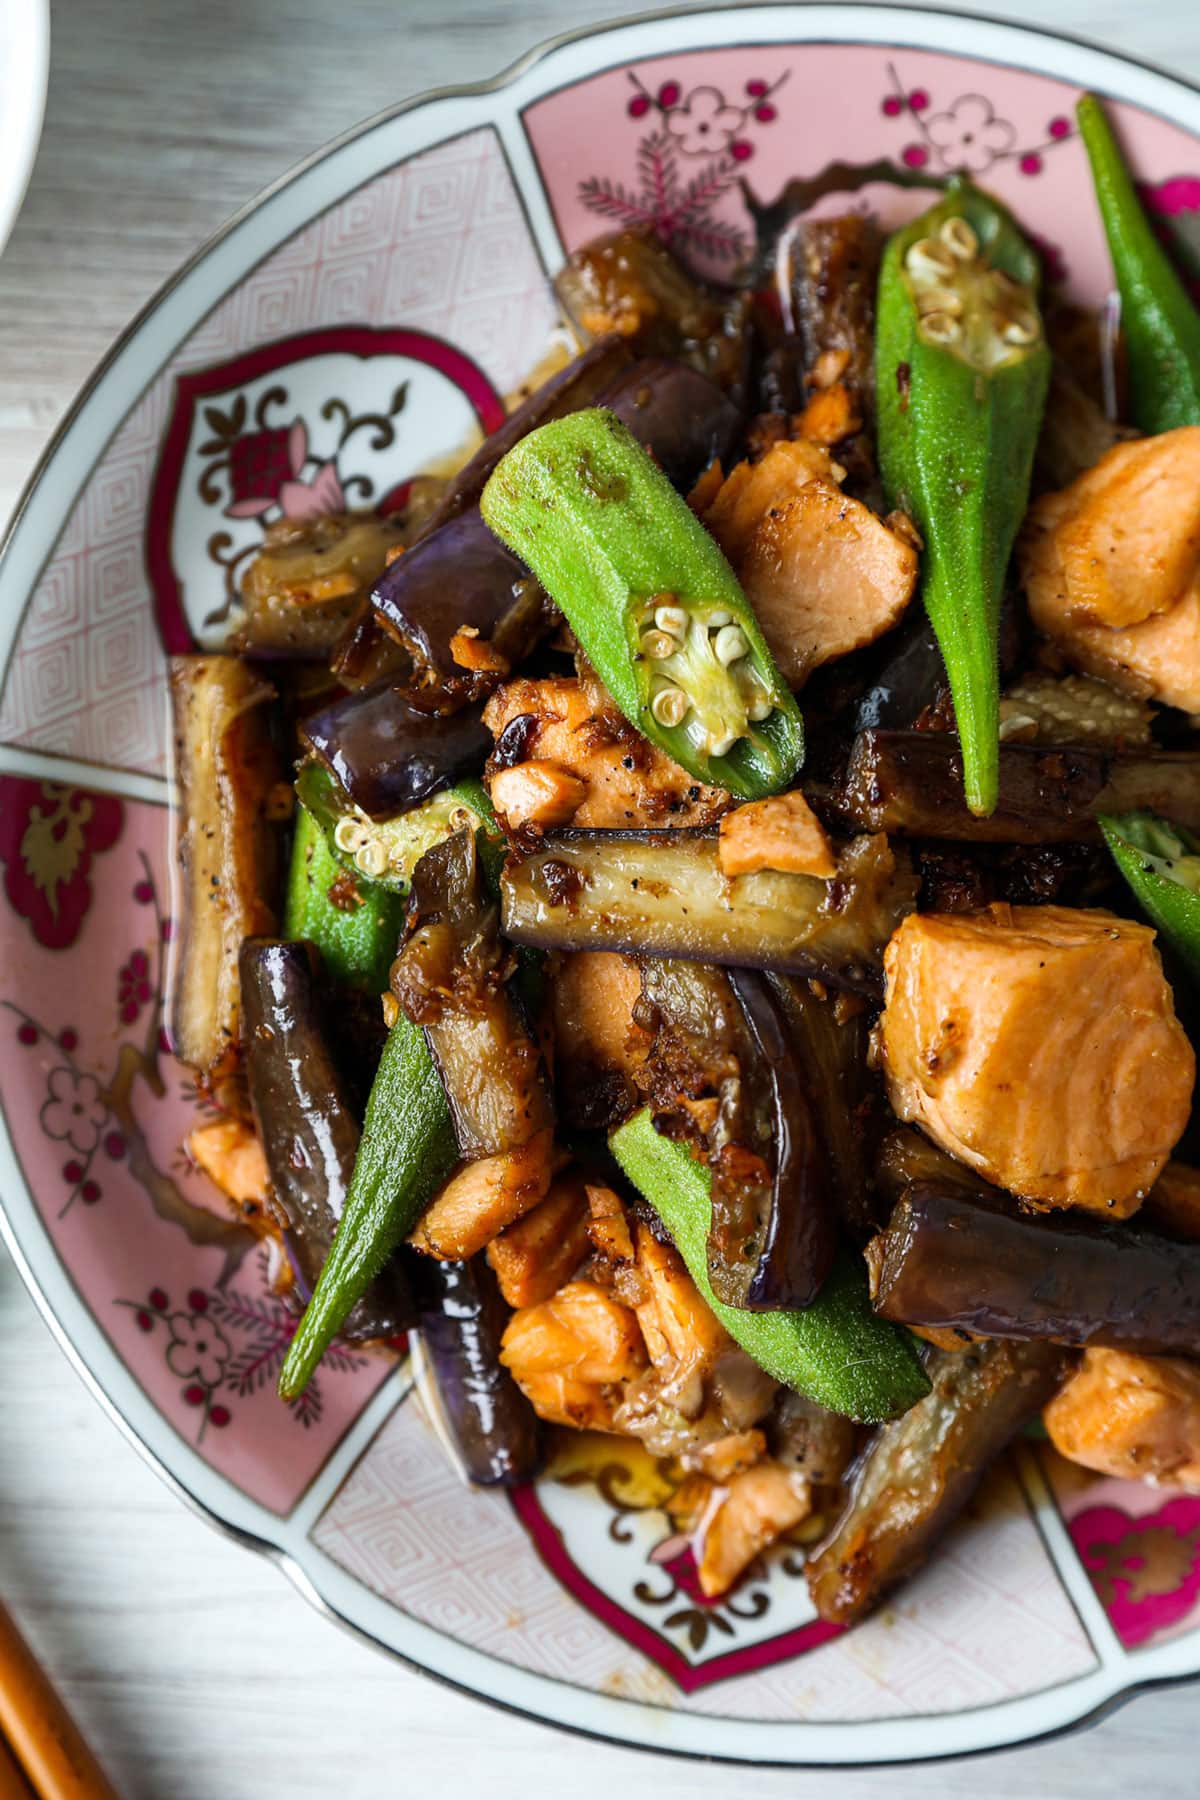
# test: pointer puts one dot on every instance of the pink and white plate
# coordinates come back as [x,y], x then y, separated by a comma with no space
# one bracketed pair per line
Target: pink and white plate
[361,318]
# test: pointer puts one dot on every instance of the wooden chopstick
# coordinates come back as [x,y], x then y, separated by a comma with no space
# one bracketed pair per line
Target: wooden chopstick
[42,1738]
[13,1785]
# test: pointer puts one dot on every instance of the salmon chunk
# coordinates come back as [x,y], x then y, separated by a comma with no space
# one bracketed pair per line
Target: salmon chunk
[1040,1046]
[229,1152]
[581,1331]
[534,1255]
[623,779]
[756,1507]
[824,574]
[1111,567]
[484,1196]
[782,832]
[1135,1417]
[682,1333]
[537,793]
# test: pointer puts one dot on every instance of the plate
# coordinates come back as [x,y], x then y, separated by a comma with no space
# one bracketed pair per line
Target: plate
[352,324]
[24,68]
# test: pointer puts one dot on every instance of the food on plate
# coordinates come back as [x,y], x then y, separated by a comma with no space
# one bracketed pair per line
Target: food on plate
[804,1099]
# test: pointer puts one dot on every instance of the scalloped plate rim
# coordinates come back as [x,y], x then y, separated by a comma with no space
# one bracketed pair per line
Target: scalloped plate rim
[1118,1676]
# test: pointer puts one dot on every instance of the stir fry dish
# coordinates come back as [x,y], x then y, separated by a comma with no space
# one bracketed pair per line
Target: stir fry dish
[697,917]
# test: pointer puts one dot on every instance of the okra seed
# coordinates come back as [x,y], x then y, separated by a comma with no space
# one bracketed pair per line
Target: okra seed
[940,328]
[730,644]
[928,260]
[721,746]
[372,859]
[658,645]
[960,239]
[717,618]
[1020,328]
[349,835]
[758,710]
[669,706]
[939,299]
[671,619]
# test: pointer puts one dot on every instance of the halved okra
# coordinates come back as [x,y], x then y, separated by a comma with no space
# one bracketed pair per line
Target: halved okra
[651,599]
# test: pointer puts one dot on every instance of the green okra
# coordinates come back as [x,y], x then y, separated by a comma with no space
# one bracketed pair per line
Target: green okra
[836,1351]
[961,369]
[1161,863]
[355,924]
[651,599]
[1159,321]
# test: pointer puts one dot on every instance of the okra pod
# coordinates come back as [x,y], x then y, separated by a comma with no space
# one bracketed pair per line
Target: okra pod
[836,1351]
[650,597]
[1161,863]
[354,923]
[961,372]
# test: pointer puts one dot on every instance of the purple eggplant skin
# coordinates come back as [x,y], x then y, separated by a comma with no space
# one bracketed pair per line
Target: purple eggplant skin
[910,782]
[959,1257]
[678,413]
[798,1236]
[461,1318]
[921,1469]
[458,576]
[305,1118]
[388,754]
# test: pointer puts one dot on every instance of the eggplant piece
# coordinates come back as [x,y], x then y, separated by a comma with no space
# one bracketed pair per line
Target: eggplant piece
[969,1259]
[630,283]
[302,588]
[910,782]
[388,755]
[802,1435]
[679,414]
[827,271]
[306,1120]
[662,893]
[955,879]
[461,1318]
[922,1468]
[460,577]
[450,978]
[795,1243]
[830,1041]
[229,773]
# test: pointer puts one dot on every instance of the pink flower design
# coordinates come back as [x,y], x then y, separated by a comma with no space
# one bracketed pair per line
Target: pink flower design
[1181,194]
[704,125]
[1146,1570]
[969,136]
[74,1110]
[265,469]
[134,989]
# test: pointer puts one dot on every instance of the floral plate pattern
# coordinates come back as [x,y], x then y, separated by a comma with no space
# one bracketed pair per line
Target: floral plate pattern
[360,320]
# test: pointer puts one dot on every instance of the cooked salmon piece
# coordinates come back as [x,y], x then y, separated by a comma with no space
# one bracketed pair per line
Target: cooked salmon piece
[536,1254]
[1040,1046]
[581,1331]
[1135,1417]
[1111,567]
[626,780]
[608,1227]
[484,1196]
[565,1400]
[537,793]
[230,1154]
[682,1333]
[829,416]
[729,1456]
[782,832]
[751,490]
[594,994]
[1173,1203]
[758,1506]
[825,575]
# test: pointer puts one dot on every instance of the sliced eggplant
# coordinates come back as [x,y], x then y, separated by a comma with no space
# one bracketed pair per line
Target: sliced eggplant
[302,588]
[461,1318]
[910,782]
[922,1468]
[629,282]
[965,1258]
[676,412]
[306,1119]
[662,893]
[451,979]
[389,755]
[229,774]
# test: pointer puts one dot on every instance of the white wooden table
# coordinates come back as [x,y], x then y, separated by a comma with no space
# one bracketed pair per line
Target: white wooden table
[195,1669]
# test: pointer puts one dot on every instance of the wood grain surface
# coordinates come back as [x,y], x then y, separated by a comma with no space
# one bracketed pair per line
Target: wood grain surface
[194,1668]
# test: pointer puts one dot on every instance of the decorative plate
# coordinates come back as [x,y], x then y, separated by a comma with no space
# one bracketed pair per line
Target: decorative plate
[354,323]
